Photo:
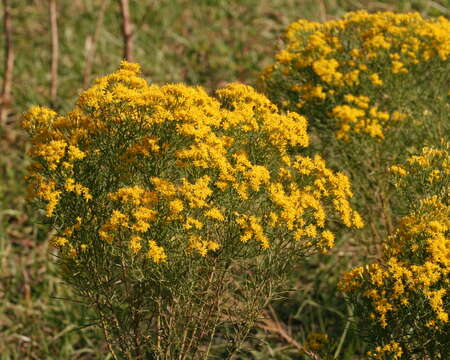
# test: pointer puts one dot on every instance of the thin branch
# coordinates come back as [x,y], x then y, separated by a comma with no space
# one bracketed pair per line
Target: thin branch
[55,51]
[322,10]
[127,31]
[108,340]
[439,7]
[273,325]
[91,43]
[344,334]
[9,62]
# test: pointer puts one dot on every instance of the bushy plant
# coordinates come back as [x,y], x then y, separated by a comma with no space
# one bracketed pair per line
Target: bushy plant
[353,68]
[374,88]
[403,300]
[178,215]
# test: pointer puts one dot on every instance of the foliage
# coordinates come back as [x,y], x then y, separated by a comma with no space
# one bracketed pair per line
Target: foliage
[374,88]
[405,299]
[345,65]
[162,196]
[206,43]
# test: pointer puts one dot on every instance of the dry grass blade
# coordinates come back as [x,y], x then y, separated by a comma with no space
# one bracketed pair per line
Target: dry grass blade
[9,62]
[91,42]
[127,31]
[272,324]
[55,51]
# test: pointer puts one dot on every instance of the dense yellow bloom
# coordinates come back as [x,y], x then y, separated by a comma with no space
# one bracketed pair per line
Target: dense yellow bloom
[202,246]
[412,277]
[398,170]
[159,161]
[78,189]
[400,280]
[134,195]
[197,193]
[327,70]
[398,68]
[135,244]
[251,228]
[375,78]
[155,252]
[163,187]
[59,241]
[192,223]
[47,192]
[360,55]
[215,214]
[75,153]
[176,206]
[37,119]
[52,152]
[143,216]
[393,348]
[328,239]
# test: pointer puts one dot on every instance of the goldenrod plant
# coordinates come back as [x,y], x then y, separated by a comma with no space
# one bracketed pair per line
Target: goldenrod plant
[404,299]
[353,68]
[374,88]
[178,215]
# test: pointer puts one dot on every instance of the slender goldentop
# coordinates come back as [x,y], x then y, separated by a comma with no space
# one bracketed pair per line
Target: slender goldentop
[406,295]
[360,70]
[177,192]
[131,157]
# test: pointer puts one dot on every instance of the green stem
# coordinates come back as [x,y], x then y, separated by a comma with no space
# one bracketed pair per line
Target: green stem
[344,334]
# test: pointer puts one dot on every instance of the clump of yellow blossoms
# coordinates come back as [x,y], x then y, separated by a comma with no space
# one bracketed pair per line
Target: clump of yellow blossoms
[315,341]
[362,74]
[166,185]
[406,296]
[150,155]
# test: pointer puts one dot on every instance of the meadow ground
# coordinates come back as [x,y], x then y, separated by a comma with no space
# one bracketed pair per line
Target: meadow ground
[205,42]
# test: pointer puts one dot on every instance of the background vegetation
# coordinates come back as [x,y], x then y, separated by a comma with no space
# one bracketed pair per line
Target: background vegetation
[201,42]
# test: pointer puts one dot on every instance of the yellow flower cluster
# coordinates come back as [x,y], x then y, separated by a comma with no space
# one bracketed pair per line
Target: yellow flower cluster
[435,163]
[166,169]
[315,341]
[411,281]
[430,169]
[342,64]
[392,349]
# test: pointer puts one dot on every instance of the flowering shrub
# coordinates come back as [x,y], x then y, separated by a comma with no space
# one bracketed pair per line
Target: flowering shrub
[177,213]
[405,298]
[357,75]
[374,88]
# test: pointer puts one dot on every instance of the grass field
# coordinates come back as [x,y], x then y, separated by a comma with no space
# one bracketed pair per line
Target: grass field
[198,42]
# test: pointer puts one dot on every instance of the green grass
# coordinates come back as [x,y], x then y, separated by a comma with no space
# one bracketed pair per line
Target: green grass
[201,42]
